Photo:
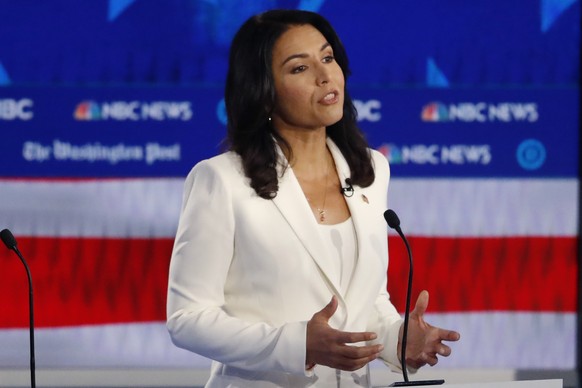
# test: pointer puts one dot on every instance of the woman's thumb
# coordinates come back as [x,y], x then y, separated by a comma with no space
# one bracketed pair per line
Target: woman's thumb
[328,311]
[421,303]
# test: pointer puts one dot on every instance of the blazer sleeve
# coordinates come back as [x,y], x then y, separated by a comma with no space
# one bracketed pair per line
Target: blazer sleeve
[385,321]
[201,257]
[386,324]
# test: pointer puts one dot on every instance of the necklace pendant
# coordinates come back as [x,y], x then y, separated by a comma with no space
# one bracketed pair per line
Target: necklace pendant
[321,215]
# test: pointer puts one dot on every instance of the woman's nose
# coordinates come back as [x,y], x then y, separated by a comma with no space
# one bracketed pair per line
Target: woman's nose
[323,75]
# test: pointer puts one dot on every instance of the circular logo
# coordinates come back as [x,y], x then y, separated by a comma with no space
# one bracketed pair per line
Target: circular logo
[531,154]
[221,111]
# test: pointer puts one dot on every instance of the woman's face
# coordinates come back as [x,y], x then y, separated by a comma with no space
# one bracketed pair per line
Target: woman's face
[309,84]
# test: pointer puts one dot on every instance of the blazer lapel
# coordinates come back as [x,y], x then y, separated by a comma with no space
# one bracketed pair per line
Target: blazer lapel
[361,213]
[294,207]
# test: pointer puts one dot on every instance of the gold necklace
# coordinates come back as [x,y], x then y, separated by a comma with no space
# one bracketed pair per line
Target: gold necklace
[321,211]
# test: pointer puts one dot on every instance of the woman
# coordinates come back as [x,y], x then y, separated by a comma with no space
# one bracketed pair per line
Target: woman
[279,266]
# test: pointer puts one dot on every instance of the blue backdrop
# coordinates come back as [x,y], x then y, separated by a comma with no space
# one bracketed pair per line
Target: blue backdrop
[90,87]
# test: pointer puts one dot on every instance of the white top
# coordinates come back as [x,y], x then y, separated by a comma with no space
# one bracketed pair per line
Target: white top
[340,240]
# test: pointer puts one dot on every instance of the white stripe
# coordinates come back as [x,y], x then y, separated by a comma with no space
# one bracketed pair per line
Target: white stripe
[488,340]
[122,345]
[486,207]
[191,378]
[99,208]
[510,339]
[426,207]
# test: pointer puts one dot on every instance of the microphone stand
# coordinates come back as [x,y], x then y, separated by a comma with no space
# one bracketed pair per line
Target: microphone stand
[394,223]
[10,243]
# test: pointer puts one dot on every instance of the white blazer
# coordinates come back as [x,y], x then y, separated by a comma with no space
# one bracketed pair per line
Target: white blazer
[247,274]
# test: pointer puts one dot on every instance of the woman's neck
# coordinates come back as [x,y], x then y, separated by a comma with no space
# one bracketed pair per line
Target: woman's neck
[310,157]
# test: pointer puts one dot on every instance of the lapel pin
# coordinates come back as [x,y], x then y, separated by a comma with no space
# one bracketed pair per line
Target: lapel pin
[365,199]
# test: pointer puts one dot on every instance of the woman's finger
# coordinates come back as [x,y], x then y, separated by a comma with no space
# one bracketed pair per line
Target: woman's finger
[358,352]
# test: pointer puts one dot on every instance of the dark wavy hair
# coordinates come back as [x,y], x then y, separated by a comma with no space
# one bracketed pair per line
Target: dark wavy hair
[250,98]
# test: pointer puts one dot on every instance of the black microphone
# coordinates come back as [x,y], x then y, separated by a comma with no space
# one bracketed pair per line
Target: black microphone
[394,223]
[10,242]
[349,190]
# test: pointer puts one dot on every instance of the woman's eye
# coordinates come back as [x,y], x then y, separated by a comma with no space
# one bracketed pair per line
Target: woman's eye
[299,69]
[328,59]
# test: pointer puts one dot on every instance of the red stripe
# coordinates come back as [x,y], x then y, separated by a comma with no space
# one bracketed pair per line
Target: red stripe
[80,281]
[535,274]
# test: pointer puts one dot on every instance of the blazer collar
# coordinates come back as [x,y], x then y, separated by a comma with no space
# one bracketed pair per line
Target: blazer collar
[362,214]
[293,205]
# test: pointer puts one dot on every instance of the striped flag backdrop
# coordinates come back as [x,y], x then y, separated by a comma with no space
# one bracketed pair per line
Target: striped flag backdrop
[99,258]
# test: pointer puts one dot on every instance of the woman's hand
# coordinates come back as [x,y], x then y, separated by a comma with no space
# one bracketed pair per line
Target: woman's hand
[330,347]
[424,341]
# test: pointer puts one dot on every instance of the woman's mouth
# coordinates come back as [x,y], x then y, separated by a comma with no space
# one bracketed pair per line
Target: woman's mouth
[330,98]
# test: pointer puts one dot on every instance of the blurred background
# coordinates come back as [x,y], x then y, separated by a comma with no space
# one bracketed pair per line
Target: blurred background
[105,105]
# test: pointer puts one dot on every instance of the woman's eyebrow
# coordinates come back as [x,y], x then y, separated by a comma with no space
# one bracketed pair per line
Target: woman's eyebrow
[290,57]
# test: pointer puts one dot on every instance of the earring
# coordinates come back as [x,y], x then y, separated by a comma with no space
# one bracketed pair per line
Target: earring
[269,118]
